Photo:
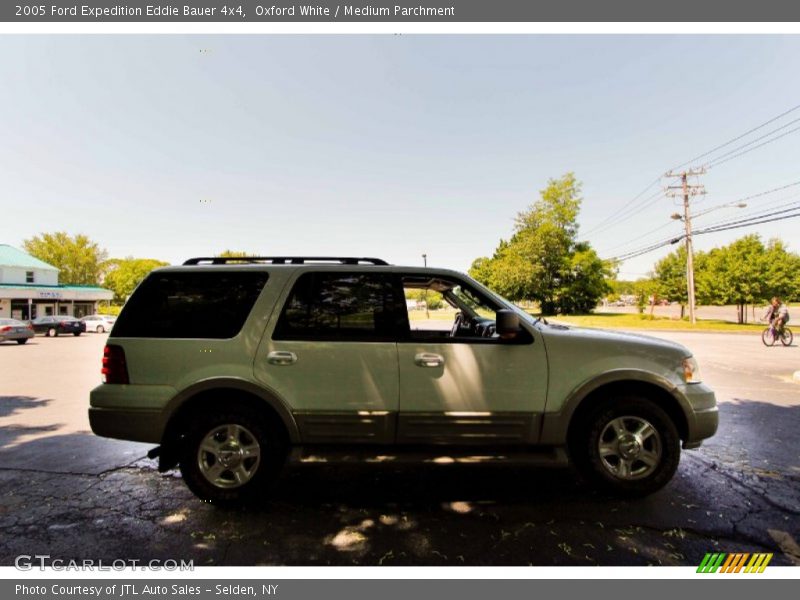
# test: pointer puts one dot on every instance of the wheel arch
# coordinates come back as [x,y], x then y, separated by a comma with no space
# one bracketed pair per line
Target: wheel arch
[558,427]
[210,393]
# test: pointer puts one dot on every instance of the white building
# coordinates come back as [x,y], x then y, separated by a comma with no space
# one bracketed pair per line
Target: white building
[29,288]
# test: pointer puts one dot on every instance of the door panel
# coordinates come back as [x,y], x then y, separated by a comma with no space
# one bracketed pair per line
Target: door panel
[332,356]
[480,392]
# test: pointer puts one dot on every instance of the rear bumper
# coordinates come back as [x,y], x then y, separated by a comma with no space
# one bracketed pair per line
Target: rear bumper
[133,425]
[111,415]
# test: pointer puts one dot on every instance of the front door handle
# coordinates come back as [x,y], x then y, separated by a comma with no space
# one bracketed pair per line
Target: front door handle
[427,359]
[281,358]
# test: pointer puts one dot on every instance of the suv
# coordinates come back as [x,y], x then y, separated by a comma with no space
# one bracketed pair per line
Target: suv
[234,365]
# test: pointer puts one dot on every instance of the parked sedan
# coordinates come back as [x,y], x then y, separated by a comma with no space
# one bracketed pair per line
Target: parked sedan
[52,326]
[12,330]
[99,323]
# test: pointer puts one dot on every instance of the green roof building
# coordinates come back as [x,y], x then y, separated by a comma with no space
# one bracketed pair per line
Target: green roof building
[29,288]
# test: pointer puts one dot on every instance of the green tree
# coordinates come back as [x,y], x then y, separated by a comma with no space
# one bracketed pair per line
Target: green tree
[78,258]
[543,261]
[741,269]
[670,275]
[124,274]
[782,272]
[585,281]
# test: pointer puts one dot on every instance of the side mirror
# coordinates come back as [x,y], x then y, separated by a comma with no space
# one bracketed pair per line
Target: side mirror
[507,323]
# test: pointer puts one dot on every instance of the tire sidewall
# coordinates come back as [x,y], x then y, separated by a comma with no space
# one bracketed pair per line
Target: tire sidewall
[273,454]
[589,460]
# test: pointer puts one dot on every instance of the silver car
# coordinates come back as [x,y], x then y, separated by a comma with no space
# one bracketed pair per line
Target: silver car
[13,330]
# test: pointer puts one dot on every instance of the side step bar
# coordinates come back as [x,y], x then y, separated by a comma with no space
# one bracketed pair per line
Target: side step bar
[534,457]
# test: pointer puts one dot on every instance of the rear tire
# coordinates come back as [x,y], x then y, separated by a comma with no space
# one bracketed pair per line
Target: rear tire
[787,337]
[76,333]
[627,445]
[231,457]
[52,332]
[20,342]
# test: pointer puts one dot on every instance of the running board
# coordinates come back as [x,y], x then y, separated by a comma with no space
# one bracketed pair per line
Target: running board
[533,457]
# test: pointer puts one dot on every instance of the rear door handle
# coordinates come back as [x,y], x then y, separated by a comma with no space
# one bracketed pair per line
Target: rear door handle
[281,358]
[427,359]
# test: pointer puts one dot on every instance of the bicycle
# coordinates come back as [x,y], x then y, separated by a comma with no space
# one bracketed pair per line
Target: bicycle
[771,335]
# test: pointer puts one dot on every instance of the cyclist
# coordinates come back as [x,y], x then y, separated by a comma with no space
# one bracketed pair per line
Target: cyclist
[777,314]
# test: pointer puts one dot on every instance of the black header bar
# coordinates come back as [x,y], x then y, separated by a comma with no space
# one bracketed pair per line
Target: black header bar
[399,11]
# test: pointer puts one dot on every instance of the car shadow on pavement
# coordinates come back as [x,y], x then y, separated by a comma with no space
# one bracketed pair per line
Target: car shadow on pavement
[86,496]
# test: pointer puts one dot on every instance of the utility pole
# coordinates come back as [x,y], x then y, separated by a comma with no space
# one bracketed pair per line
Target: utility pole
[687,190]
[427,311]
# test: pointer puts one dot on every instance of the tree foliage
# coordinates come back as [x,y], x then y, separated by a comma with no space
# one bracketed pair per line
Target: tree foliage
[124,274]
[543,261]
[741,273]
[78,258]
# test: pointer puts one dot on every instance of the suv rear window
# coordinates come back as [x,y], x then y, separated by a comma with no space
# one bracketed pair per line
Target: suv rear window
[190,305]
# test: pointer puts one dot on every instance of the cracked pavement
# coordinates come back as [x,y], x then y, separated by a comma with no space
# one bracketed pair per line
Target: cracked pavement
[69,494]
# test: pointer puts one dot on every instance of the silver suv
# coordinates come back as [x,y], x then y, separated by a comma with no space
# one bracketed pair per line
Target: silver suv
[234,365]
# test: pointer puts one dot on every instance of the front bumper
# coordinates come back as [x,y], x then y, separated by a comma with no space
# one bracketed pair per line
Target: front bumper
[703,415]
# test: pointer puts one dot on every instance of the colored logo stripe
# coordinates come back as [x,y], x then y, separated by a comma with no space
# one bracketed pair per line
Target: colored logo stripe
[733,563]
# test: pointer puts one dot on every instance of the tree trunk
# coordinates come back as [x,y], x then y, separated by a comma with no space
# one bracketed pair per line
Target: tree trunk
[683,310]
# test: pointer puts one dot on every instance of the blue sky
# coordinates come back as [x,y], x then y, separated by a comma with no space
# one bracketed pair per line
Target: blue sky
[392,146]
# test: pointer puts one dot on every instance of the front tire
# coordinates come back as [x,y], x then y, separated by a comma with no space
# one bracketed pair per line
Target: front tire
[768,337]
[52,332]
[23,341]
[231,457]
[627,445]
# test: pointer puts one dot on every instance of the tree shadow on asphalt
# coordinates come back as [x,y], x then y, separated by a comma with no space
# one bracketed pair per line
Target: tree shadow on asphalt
[11,405]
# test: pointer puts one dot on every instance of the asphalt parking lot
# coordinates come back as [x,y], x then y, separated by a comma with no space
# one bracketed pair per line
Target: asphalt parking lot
[72,495]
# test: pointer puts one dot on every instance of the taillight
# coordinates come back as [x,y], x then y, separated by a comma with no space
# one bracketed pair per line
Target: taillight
[30,326]
[115,369]
[6,328]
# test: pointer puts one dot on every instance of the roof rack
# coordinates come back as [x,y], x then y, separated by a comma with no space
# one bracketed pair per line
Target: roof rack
[285,260]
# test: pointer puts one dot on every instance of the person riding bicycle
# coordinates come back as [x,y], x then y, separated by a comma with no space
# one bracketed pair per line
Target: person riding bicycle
[777,314]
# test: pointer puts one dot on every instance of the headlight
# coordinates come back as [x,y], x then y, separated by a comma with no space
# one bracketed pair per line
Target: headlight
[691,371]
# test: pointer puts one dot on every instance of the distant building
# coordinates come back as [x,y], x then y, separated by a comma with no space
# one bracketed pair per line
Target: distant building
[29,288]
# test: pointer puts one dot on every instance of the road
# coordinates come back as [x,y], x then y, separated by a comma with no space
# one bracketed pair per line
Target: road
[70,494]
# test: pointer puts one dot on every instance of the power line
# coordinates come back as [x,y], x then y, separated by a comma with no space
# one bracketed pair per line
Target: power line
[620,215]
[749,220]
[756,214]
[789,213]
[716,162]
[644,235]
[622,209]
[737,138]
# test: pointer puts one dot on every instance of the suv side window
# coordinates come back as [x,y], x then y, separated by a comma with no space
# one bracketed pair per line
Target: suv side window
[202,304]
[340,307]
[441,309]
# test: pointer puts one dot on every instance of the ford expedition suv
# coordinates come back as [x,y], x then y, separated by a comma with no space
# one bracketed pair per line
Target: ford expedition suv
[234,365]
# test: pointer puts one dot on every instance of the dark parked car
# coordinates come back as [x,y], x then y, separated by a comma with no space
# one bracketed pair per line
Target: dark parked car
[52,326]
[12,330]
